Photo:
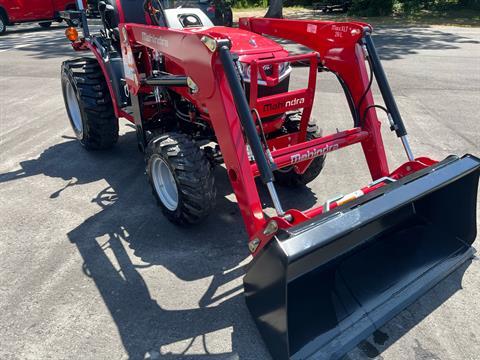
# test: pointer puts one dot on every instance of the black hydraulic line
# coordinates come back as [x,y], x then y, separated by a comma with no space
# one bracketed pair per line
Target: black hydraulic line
[354,110]
[245,115]
[348,95]
[384,87]
[374,107]
[370,82]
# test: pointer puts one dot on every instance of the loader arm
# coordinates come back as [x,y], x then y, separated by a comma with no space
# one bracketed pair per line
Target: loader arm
[340,49]
[320,280]
[205,68]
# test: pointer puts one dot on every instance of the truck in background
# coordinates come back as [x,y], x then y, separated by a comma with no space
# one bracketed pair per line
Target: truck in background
[43,12]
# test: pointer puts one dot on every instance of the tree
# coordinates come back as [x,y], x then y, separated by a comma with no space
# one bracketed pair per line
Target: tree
[275,10]
[375,7]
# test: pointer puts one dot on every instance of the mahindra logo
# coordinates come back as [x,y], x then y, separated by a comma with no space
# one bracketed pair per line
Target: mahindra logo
[310,154]
[283,105]
[154,40]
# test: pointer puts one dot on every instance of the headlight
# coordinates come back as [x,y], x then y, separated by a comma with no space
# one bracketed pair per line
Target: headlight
[283,68]
[283,71]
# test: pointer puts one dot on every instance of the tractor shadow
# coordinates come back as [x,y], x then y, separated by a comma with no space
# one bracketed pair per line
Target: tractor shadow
[128,241]
[127,244]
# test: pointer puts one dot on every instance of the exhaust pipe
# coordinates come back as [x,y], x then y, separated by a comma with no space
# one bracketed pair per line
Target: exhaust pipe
[318,289]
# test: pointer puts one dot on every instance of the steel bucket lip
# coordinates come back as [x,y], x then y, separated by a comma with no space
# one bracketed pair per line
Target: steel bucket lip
[327,228]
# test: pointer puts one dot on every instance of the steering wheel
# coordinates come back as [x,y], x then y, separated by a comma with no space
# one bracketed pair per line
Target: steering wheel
[155,10]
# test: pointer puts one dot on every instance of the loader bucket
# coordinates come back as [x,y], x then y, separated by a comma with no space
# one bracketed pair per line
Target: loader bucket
[318,289]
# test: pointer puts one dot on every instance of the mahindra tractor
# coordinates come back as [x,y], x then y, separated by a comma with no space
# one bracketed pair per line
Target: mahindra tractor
[202,96]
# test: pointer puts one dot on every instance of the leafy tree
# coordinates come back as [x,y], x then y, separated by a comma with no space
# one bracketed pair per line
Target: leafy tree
[372,7]
[275,9]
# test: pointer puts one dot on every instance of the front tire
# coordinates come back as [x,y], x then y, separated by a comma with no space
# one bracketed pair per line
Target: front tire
[3,23]
[88,103]
[181,177]
[288,176]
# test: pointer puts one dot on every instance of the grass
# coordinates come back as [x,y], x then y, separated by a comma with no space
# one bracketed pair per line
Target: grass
[463,17]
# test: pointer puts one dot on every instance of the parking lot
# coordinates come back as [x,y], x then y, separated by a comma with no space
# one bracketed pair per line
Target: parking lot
[90,268]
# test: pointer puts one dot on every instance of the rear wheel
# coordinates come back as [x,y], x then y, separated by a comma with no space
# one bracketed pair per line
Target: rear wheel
[88,103]
[288,176]
[45,25]
[3,23]
[181,177]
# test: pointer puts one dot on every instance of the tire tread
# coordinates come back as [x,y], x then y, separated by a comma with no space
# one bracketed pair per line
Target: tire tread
[100,122]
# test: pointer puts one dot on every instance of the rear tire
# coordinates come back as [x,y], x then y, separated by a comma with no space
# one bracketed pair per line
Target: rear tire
[3,23]
[181,177]
[45,25]
[88,103]
[288,176]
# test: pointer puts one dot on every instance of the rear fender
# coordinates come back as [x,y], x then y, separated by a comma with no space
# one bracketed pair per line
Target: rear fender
[113,72]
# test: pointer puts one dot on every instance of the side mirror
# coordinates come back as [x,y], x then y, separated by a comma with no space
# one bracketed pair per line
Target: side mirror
[106,10]
[104,7]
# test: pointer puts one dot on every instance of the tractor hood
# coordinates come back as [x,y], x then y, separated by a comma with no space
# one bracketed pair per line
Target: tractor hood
[245,42]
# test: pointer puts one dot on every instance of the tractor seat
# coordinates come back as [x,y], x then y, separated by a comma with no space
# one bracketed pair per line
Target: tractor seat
[133,11]
[128,11]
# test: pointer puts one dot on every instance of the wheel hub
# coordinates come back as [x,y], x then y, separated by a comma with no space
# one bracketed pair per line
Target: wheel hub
[74,109]
[164,183]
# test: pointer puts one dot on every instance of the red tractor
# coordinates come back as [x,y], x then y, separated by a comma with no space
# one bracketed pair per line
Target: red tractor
[202,96]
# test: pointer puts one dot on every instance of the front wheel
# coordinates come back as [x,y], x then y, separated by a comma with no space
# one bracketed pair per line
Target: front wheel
[181,177]
[288,176]
[45,25]
[3,23]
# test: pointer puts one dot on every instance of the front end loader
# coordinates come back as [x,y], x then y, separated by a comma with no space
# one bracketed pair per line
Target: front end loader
[199,95]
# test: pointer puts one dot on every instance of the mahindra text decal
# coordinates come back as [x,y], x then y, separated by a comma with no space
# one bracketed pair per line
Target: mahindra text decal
[310,154]
[283,105]
[154,40]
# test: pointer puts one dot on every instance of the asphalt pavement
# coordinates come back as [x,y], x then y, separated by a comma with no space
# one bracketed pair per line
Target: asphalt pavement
[91,270]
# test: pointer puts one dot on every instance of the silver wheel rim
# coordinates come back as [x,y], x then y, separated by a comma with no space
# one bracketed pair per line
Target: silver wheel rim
[2,24]
[74,109]
[164,183]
